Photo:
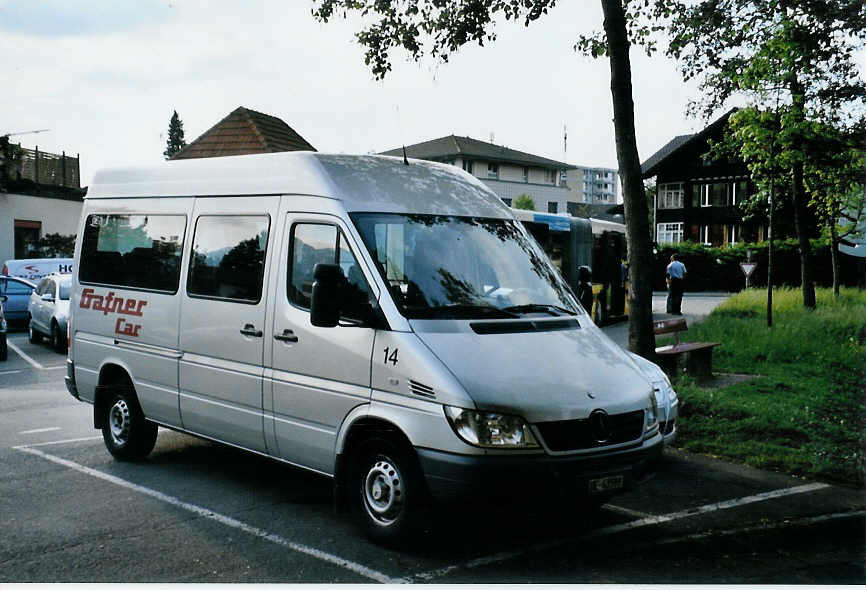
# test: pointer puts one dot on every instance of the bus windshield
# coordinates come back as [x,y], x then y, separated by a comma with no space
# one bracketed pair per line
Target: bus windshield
[440,266]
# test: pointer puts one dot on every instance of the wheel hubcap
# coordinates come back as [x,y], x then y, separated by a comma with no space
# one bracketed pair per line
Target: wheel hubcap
[383,492]
[118,422]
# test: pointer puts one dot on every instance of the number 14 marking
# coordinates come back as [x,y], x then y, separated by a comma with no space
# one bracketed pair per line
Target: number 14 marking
[391,357]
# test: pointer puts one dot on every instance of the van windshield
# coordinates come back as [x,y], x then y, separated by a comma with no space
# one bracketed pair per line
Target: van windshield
[440,266]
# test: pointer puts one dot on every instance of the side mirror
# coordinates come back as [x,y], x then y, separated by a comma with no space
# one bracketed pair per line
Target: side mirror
[47,297]
[327,298]
[3,298]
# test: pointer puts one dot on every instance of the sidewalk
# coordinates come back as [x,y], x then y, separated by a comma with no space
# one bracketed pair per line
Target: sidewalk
[696,307]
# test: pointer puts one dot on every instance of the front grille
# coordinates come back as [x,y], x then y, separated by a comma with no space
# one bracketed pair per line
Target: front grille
[573,435]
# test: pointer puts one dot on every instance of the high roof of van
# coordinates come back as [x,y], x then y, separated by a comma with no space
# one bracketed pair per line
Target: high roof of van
[361,183]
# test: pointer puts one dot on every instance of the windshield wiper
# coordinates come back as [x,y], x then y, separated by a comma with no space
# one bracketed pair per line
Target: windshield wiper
[539,307]
[462,310]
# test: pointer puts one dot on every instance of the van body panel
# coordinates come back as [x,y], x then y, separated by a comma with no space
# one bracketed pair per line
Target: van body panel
[319,374]
[360,183]
[541,376]
[404,366]
[222,333]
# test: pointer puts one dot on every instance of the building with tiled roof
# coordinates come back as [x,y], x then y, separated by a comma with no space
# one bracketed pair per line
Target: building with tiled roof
[245,131]
[698,198]
[555,187]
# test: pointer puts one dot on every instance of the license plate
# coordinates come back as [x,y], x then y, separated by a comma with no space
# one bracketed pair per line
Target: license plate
[606,484]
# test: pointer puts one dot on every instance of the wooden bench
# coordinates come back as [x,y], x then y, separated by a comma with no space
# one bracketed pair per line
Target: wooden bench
[698,355]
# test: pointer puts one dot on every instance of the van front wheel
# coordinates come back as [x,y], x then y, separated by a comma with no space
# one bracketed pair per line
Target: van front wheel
[389,490]
[128,435]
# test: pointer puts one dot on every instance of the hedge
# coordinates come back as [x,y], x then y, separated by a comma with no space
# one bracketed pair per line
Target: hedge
[718,269]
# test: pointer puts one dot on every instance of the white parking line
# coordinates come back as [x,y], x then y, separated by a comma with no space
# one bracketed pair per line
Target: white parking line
[38,430]
[220,518]
[11,372]
[25,356]
[618,528]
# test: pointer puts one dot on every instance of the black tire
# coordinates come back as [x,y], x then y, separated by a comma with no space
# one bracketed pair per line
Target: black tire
[58,338]
[128,435]
[34,335]
[4,349]
[387,489]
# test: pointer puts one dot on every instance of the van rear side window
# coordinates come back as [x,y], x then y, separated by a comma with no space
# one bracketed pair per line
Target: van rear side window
[228,257]
[135,251]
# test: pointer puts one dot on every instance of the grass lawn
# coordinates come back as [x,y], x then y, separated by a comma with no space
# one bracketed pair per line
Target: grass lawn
[806,413]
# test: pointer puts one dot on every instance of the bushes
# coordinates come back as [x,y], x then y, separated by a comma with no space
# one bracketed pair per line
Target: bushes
[718,269]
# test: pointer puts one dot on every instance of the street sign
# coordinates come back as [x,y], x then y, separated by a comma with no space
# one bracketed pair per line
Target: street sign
[748,268]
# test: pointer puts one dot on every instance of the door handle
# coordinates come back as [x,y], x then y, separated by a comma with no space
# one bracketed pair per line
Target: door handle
[286,336]
[250,330]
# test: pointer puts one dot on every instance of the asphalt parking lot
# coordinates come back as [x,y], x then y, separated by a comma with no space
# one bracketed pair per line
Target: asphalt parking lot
[196,511]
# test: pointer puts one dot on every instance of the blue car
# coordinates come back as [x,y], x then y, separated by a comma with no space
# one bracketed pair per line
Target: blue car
[17,292]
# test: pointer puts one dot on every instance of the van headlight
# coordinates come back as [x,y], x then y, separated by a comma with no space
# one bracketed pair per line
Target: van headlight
[652,413]
[487,429]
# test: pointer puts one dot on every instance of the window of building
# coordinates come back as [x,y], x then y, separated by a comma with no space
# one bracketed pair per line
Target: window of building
[716,194]
[713,235]
[550,176]
[492,170]
[133,251]
[468,166]
[26,237]
[552,207]
[671,196]
[669,233]
[525,174]
[228,257]
[315,243]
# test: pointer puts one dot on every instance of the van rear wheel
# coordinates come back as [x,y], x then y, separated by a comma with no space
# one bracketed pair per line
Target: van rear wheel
[388,488]
[128,435]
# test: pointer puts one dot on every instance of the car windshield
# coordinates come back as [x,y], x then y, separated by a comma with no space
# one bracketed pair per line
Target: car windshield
[439,266]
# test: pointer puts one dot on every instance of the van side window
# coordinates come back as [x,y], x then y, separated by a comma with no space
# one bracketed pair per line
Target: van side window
[228,257]
[138,251]
[314,243]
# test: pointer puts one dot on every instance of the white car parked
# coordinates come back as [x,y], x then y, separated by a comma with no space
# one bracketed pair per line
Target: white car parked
[49,310]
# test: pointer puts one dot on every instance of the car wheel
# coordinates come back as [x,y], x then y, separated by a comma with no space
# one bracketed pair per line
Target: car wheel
[128,435]
[4,349]
[388,489]
[58,338]
[35,336]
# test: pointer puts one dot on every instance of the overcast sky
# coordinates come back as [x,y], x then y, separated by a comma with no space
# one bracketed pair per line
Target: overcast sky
[105,76]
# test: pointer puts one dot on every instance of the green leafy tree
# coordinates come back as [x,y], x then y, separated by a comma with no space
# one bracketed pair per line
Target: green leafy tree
[792,58]
[524,201]
[438,28]
[175,141]
[54,246]
[835,178]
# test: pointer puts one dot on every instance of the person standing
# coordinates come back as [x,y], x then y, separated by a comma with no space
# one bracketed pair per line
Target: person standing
[676,273]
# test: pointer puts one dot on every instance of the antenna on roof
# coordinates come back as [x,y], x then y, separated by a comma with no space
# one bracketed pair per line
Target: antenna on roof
[400,125]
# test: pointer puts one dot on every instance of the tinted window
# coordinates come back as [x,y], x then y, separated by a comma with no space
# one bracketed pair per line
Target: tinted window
[138,251]
[317,243]
[228,258]
[10,287]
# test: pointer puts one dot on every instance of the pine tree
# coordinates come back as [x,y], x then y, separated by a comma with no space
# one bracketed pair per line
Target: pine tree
[175,141]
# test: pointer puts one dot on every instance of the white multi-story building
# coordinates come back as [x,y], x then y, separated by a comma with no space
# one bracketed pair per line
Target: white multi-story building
[555,187]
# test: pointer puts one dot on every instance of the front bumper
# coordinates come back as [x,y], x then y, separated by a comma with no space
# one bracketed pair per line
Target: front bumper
[451,477]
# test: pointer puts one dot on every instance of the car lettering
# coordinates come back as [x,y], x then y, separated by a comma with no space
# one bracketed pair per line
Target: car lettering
[110,303]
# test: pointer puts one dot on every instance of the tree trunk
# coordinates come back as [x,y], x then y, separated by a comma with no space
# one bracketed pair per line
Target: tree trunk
[834,255]
[801,213]
[641,339]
